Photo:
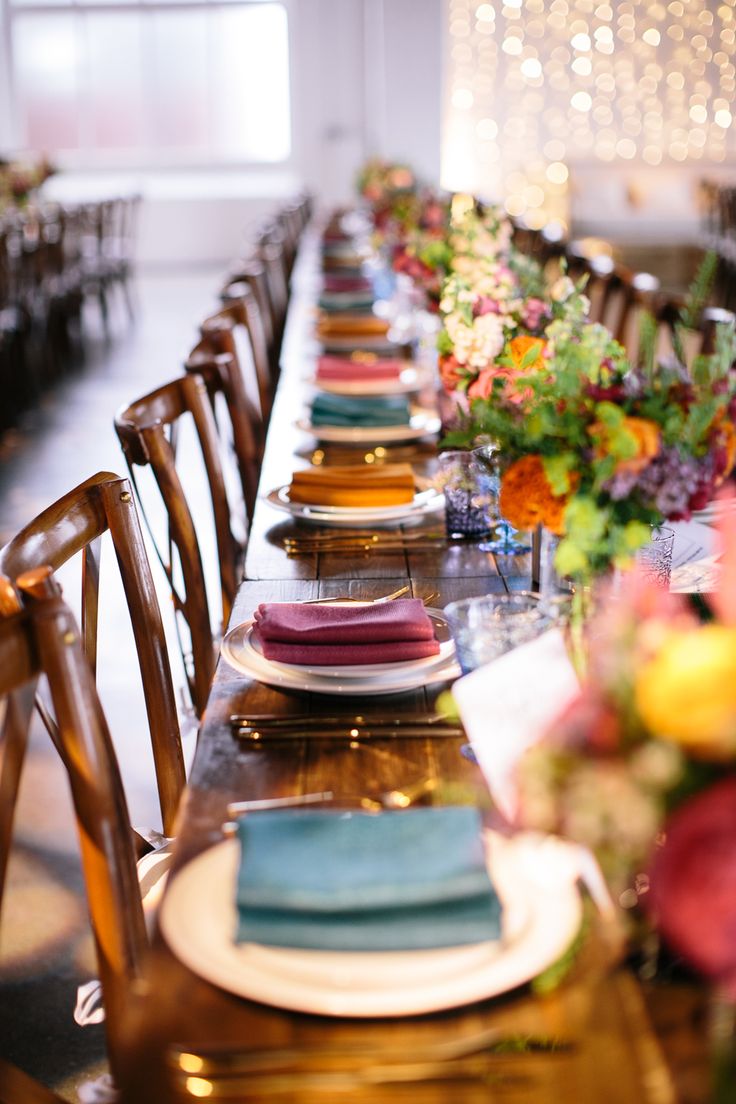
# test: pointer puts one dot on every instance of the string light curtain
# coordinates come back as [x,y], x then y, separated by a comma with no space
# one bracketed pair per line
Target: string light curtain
[536,86]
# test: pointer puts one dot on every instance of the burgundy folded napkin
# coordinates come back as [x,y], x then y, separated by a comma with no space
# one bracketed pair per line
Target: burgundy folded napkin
[385,632]
[337,282]
[343,368]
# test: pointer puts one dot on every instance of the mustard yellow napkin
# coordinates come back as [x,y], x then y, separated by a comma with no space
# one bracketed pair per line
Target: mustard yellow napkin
[345,325]
[354,485]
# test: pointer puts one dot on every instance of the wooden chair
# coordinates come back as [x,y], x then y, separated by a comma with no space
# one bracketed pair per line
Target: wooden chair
[249,270]
[694,342]
[222,376]
[75,524]
[270,252]
[16,1087]
[43,638]
[148,430]
[237,329]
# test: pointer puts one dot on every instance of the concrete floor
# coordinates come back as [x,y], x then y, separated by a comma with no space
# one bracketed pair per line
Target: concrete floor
[45,948]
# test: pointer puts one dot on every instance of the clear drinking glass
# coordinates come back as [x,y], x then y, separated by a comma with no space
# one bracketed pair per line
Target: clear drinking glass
[486,627]
[507,542]
[466,509]
[654,560]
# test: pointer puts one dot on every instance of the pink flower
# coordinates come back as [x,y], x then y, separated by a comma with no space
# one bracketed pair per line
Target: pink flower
[693,883]
[486,305]
[482,387]
[533,312]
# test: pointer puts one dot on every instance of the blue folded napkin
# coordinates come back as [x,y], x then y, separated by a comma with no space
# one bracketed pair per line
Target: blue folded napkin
[341,410]
[349,881]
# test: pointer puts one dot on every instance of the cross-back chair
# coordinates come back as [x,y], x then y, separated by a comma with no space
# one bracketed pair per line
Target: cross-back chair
[16,1087]
[43,639]
[236,328]
[75,524]
[702,340]
[149,430]
[222,376]
[269,250]
[250,271]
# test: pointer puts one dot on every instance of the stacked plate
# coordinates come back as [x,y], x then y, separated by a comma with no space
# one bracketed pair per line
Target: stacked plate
[366,679]
[405,383]
[353,517]
[542,910]
[422,423]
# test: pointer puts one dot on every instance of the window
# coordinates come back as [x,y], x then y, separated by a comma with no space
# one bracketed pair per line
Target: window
[159,83]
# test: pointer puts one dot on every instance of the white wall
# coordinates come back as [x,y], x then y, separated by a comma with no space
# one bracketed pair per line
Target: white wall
[366,79]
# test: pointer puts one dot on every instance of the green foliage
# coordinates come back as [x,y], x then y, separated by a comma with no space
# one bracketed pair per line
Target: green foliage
[444,343]
[647,345]
[699,292]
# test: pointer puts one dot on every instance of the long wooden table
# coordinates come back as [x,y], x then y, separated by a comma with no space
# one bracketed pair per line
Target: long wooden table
[599,1009]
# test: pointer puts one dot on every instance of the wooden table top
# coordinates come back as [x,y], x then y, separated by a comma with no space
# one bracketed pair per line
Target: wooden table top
[614,1054]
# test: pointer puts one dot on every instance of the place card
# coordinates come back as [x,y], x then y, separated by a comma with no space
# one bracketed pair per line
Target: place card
[508,704]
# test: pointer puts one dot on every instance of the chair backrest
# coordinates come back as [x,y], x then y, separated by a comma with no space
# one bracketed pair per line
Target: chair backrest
[16,1087]
[148,431]
[222,376]
[75,524]
[270,252]
[43,638]
[237,329]
[692,342]
[250,271]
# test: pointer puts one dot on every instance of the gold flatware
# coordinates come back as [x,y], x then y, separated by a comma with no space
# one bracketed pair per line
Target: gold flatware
[361,601]
[355,536]
[222,1062]
[361,548]
[309,720]
[237,808]
[481,1069]
[351,733]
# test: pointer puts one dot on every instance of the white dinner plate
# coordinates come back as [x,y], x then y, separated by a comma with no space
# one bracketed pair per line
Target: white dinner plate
[535,878]
[404,384]
[241,642]
[357,343]
[422,423]
[354,517]
[390,678]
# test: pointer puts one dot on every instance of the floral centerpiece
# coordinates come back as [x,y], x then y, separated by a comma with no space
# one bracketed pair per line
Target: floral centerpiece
[641,768]
[19,179]
[597,450]
[423,252]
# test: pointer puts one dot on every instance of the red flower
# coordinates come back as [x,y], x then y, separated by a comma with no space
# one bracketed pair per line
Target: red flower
[693,883]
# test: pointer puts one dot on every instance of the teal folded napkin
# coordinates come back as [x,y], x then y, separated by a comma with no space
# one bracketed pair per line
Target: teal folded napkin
[354,302]
[349,881]
[341,410]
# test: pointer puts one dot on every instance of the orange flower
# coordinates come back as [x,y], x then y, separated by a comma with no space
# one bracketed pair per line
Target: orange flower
[526,498]
[646,435]
[520,346]
[449,373]
[724,440]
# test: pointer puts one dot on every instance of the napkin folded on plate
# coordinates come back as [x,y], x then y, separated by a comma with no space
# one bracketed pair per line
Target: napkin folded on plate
[327,635]
[357,882]
[356,485]
[348,324]
[338,282]
[342,410]
[346,368]
[341,302]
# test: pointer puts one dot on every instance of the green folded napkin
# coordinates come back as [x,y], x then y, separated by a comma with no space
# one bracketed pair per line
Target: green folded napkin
[349,881]
[341,410]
